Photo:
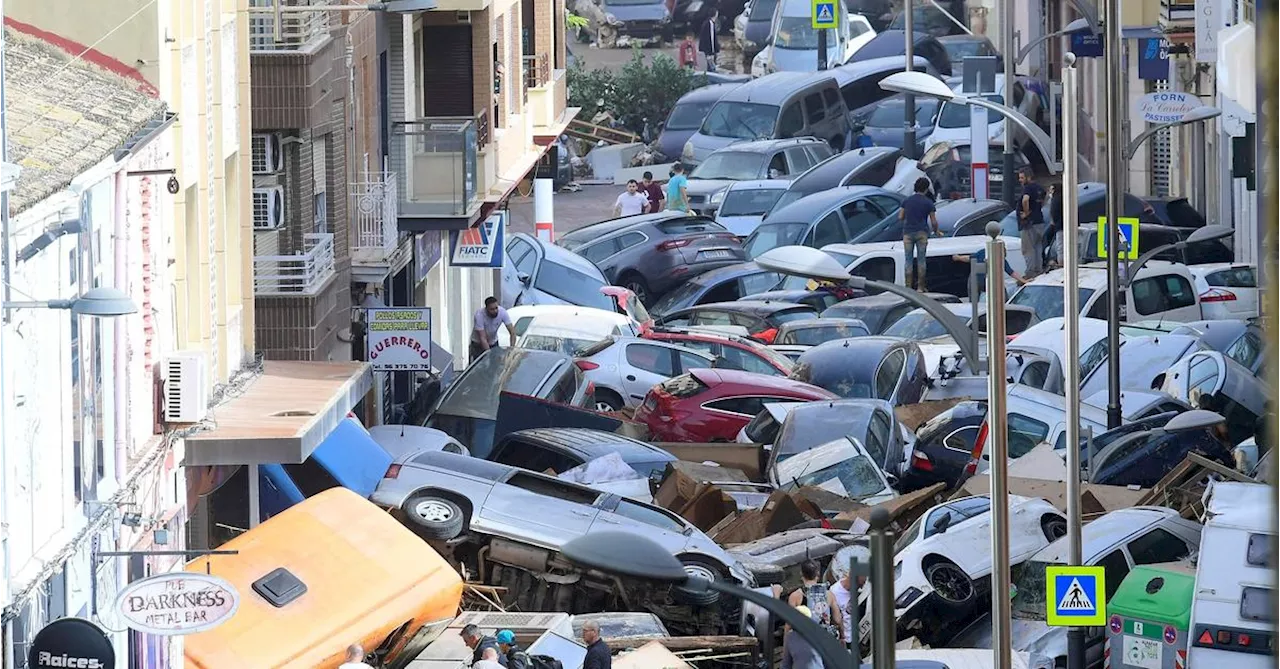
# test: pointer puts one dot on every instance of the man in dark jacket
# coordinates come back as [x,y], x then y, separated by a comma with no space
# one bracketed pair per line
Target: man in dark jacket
[516,657]
[598,656]
[477,642]
[708,44]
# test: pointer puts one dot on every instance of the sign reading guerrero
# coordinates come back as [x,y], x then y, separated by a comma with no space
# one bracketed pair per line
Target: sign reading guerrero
[399,339]
[178,603]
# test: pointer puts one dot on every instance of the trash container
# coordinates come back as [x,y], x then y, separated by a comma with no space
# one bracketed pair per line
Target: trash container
[1149,618]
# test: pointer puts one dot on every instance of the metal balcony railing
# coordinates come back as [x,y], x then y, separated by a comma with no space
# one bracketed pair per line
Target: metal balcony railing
[299,275]
[440,163]
[375,200]
[297,29]
[537,70]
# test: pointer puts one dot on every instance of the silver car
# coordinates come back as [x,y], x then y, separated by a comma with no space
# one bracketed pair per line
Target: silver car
[624,369]
[443,495]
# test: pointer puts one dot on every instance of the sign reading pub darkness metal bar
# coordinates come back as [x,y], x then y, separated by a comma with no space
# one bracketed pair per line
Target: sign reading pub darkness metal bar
[71,643]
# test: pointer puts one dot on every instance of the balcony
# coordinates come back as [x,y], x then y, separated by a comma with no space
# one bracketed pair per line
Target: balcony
[438,160]
[545,98]
[298,30]
[374,201]
[300,275]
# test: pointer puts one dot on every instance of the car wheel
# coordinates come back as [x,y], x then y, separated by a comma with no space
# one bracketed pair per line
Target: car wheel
[952,585]
[607,400]
[1054,527]
[435,516]
[700,569]
[636,284]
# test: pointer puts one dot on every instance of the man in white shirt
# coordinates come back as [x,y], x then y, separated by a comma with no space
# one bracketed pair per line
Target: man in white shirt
[489,660]
[355,658]
[487,320]
[632,202]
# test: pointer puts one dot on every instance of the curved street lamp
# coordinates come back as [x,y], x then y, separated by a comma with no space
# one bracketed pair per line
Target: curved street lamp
[1196,115]
[1075,26]
[920,83]
[98,302]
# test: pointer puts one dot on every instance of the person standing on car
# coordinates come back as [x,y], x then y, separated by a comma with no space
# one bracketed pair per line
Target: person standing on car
[708,44]
[677,195]
[797,652]
[516,657]
[598,655]
[480,644]
[918,212]
[1031,222]
[812,596]
[653,191]
[484,333]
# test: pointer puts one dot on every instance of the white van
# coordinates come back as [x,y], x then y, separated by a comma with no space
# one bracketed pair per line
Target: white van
[884,261]
[1232,620]
[1160,291]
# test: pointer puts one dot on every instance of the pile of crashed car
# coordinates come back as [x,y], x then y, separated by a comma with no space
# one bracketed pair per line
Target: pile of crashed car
[750,417]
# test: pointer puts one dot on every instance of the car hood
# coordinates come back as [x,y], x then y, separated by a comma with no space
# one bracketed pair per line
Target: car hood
[893,136]
[706,186]
[740,225]
[624,13]
[802,60]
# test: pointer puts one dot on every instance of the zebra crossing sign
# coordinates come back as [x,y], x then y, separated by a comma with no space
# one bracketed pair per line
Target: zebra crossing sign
[1075,596]
[824,14]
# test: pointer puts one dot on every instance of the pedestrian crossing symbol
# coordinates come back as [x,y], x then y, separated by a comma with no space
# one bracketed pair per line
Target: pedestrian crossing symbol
[824,14]
[1128,238]
[1075,596]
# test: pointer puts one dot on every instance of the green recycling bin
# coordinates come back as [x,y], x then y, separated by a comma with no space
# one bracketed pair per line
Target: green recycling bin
[1149,618]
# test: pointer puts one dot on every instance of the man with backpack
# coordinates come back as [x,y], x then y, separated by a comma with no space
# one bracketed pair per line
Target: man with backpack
[516,657]
[812,595]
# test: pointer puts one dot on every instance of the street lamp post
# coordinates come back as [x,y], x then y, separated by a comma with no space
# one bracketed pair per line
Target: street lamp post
[1006,48]
[998,434]
[1115,201]
[1075,26]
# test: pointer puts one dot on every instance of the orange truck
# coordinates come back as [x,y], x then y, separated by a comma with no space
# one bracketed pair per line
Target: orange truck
[328,572]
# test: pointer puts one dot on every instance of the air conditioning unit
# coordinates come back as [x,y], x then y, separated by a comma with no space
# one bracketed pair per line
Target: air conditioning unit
[267,156]
[186,387]
[268,208]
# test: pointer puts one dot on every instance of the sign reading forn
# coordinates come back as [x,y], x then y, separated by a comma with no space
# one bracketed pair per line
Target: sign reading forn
[399,339]
[177,604]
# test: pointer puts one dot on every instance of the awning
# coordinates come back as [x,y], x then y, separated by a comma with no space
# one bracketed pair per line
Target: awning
[282,416]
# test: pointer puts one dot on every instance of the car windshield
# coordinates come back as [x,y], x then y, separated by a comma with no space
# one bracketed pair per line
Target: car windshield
[780,317]
[684,295]
[891,113]
[909,537]
[795,32]
[571,286]
[772,235]
[740,120]
[565,345]
[1028,599]
[749,201]
[808,429]
[961,49]
[854,477]
[688,115]
[916,325]
[733,165]
[1046,300]
[819,334]
[762,10]
[957,116]
[475,394]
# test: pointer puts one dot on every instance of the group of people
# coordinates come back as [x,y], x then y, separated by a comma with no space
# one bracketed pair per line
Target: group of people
[501,651]
[830,606]
[648,197]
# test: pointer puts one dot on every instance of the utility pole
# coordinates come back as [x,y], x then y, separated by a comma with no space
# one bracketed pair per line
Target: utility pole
[884,626]
[998,434]
[822,49]
[1071,331]
[909,100]
[1008,52]
[1116,140]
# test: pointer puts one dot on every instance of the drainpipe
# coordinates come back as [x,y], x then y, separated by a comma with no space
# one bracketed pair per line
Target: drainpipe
[6,643]
[120,363]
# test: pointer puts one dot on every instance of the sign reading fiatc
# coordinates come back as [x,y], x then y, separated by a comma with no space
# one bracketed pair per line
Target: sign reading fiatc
[177,604]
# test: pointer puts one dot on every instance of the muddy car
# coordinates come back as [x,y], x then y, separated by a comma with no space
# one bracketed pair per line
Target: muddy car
[505,525]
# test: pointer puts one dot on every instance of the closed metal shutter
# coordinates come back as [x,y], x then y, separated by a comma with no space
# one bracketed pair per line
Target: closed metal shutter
[447,71]
[1160,155]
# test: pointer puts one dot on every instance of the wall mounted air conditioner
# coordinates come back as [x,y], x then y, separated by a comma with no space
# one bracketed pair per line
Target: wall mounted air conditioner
[267,156]
[268,208]
[186,387]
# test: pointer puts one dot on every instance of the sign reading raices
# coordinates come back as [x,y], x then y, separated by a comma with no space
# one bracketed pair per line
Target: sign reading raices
[177,604]
[399,339]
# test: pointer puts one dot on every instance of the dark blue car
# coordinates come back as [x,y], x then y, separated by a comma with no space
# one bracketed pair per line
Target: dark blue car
[719,285]
[883,125]
[686,117]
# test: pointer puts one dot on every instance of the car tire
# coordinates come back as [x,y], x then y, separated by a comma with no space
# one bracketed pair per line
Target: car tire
[435,517]
[953,587]
[1054,527]
[636,284]
[607,400]
[701,568]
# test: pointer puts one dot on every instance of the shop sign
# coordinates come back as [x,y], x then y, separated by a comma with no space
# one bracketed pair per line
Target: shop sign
[399,339]
[480,246]
[1166,107]
[177,604]
[71,643]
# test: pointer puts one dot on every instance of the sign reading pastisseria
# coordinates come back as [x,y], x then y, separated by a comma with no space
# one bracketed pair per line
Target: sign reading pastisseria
[399,339]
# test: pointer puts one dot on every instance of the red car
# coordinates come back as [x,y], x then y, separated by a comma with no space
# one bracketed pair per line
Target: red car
[708,405]
[738,352]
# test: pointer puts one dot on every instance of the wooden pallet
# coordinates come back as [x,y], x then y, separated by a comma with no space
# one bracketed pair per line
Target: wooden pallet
[1182,488]
[599,133]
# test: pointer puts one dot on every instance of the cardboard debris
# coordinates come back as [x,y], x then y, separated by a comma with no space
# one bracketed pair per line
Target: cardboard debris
[915,415]
[1096,500]
[685,491]
[652,655]
[781,512]
[1182,489]
[903,509]
[744,457]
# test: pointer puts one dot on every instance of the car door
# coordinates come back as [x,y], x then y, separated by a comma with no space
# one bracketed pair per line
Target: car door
[646,365]
[621,514]
[519,259]
[604,254]
[798,160]
[860,216]
[727,415]
[539,509]
[829,230]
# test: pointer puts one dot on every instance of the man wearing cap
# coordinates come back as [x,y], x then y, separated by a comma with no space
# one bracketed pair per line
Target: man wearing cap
[478,643]
[516,657]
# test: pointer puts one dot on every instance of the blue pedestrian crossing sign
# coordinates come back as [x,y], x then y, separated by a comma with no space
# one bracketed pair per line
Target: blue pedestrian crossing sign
[824,14]
[1075,596]
[1128,237]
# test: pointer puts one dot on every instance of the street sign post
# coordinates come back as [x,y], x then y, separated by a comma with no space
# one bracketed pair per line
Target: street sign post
[1075,596]
[1128,238]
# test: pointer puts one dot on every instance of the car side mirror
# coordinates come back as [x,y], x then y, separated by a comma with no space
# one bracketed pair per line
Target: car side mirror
[942,523]
[524,278]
